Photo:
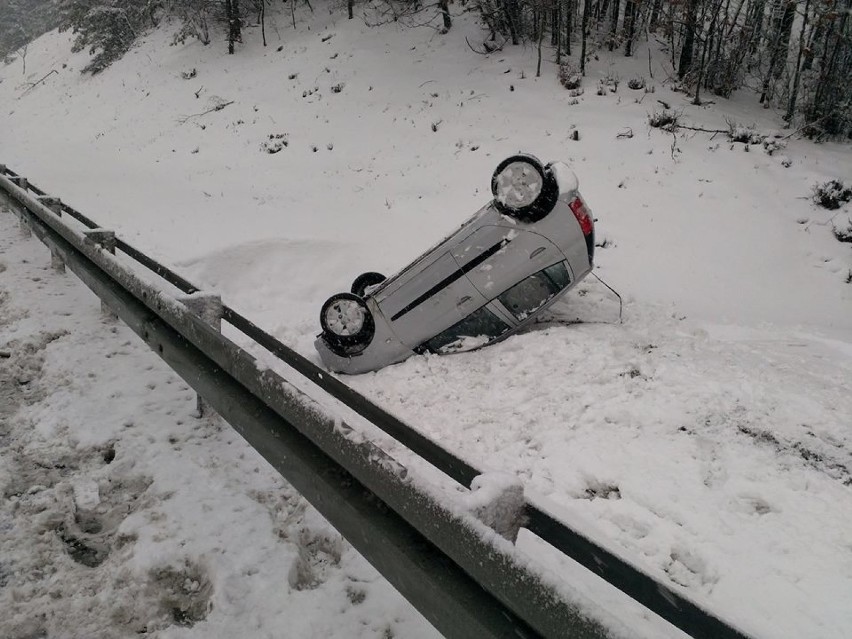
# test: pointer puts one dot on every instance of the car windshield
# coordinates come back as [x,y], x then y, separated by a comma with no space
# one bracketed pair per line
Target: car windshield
[530,294]
[477,329]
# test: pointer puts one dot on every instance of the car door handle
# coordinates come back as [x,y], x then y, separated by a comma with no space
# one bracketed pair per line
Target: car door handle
[464,300]
[538,251]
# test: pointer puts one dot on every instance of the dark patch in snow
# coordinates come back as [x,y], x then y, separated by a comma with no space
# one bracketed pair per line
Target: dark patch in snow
[319,550]
[355,595]
[600,490]
[821,461]
[87,552]
[184,593]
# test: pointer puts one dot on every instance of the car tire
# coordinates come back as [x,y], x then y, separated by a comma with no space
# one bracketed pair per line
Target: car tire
[364,281]
[347,323]
[540,204]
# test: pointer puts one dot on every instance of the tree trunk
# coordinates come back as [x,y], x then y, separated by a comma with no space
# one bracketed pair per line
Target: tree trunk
[794,91]
[686,51]
[781,43]
[232,13]
[708,44]
[569,26]
[508,8]
[616,6]
[655,14]
[445,13]
[629,26]
[554,24]
[541,19]
[834,68]
[263,20]
[601,11]
[587,7]
[816,34]
[558,31]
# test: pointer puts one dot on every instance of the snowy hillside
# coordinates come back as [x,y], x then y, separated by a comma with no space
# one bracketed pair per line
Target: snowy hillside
[708,437]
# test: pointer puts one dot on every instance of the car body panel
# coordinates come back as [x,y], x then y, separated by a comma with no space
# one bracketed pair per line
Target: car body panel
[456,285]
[438,295]
[522,253]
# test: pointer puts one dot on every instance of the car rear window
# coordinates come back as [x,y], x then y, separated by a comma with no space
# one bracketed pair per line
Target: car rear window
[528,295]
[477,329]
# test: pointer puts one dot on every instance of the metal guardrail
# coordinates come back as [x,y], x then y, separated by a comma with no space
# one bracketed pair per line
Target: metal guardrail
[462,577]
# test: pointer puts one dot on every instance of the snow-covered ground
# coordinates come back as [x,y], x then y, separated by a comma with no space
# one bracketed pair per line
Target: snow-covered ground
[708,437]
[124,515]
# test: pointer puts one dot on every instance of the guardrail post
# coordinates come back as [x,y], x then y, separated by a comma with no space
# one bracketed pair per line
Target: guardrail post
[20,181]
[497,500]
[106,240]
[55,205]
[24,226]
[208,306]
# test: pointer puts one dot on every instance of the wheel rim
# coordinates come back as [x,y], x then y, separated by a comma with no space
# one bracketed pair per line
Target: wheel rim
[518,185]
[345,317]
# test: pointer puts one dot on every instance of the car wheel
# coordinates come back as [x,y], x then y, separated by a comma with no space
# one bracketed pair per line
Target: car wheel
[524,188]
[364,281]
[347,322]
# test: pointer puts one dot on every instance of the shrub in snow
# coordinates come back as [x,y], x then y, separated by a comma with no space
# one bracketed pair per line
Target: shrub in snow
[611,81]
[275,142]
[569,76]
[665,119]
[636,83]
[832,194]
[844,234]
[770,145]
[188,75]
[747,135]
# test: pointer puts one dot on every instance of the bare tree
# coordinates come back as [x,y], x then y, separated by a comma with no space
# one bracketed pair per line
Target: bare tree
[232,16]
[587,9]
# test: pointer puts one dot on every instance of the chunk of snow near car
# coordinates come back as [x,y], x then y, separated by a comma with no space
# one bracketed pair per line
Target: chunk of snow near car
[479,285]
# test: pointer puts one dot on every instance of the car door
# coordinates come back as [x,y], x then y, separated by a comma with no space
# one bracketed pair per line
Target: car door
[495,258]
[429,301]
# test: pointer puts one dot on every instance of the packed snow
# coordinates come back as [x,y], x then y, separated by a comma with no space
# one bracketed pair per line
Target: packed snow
[704,434]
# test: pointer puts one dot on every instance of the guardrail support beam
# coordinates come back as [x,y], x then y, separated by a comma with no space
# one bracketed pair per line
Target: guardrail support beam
[106,240]
[24,225]
[55,205]
[497,500]
[208,306]
[18,210]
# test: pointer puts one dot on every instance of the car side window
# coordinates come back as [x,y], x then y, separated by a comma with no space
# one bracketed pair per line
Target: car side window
[477,329]
[532,293]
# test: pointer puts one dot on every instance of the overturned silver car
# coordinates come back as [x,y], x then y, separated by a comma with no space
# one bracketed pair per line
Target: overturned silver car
[528,246]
